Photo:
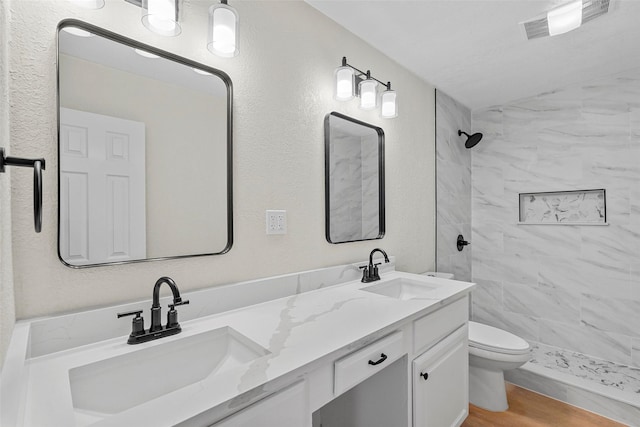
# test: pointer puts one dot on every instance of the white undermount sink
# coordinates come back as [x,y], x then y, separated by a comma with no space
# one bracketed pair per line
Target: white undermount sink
[113,385]
[403,288]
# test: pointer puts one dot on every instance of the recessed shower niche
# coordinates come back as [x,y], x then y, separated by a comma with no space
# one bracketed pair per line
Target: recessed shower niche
[144,151]
[579,207]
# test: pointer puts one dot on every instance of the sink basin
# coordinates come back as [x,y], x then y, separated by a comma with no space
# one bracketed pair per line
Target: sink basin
[403,289]
[113,385]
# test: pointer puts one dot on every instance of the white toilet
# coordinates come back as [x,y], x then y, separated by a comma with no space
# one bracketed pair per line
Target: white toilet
[491,352]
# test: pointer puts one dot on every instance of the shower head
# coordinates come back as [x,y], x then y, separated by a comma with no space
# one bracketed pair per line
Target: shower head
[472,140]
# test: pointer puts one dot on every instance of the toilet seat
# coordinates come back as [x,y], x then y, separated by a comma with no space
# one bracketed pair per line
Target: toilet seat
[496,340]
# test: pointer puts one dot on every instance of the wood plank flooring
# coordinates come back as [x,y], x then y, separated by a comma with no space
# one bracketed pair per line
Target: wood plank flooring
[530,409]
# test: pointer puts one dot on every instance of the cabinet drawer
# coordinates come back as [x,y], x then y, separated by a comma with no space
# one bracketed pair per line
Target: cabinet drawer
[431,328]
[358,366]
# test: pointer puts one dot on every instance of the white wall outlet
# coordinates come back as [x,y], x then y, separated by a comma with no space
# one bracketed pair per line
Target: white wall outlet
[276,222]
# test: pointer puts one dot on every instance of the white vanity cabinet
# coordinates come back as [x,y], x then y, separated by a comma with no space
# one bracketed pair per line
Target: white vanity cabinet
[286,408]
[441,383]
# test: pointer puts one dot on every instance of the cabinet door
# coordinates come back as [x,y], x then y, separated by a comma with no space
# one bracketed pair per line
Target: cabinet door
[288,407]
[441,383]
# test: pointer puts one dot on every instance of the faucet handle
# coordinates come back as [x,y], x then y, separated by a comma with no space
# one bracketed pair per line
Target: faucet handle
[180,302]
[130,313]
[137,324]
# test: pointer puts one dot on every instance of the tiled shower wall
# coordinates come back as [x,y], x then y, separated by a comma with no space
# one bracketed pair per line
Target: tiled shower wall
[453,169]
[573,287]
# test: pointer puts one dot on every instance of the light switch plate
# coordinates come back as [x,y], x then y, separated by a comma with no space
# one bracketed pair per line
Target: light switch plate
[276,222]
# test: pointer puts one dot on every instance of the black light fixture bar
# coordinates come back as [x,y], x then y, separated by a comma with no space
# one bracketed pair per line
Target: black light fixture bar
[362,73]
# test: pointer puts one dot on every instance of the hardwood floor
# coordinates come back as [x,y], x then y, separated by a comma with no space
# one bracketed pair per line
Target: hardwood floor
[530,409]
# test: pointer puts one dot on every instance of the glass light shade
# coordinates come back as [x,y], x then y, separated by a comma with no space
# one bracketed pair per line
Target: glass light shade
[89,4]
[368,95]
[345,83]
[223,31]
[389,107]
[161,17]
[565,18]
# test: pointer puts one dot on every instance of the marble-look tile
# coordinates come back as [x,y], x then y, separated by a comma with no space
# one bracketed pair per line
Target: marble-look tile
[583,275]
[487,180]
[613,243]
[537,383]
[585,339]
[487,238]
[489,122]
[617,315]
[527,116]
[461,265]
[540,240]
[447,235]
[453,178]
[454,208]
[582,207]
[614,375]
[490,209]
[542,301]
[507,268]
[635,352]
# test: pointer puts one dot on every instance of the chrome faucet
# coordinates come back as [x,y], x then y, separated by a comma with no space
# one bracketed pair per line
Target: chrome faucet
[370,272]
[156,330]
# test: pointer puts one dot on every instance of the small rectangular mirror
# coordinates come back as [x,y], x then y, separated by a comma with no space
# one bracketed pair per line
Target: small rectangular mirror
[354,179]
[144,151]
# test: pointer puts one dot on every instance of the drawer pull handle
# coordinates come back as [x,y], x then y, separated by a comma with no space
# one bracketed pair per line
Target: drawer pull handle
[383,357]
[424,375]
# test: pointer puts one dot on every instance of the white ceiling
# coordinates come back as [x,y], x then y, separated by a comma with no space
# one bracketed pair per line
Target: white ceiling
[477,51]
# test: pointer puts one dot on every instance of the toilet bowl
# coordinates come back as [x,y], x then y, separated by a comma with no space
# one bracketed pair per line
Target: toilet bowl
[491,352]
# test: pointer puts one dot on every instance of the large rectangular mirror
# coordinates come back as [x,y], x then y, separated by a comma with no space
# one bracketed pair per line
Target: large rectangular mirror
[354,179]
[144,151]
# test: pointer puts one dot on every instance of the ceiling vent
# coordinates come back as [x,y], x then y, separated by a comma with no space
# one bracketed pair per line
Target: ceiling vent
[539,27]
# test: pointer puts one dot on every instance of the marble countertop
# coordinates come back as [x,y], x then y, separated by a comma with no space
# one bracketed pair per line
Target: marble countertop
[300,333]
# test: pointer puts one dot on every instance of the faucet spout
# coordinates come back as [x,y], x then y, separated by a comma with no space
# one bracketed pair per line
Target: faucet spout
[174,289]
[370,272]
[172,322]
[384,254]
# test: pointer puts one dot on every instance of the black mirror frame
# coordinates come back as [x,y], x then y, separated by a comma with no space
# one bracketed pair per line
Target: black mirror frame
[172,57]
[327,189]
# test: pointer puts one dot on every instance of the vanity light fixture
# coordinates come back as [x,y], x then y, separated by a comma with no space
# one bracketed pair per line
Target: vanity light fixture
[348,78]
[222,39]
[161,17]
[565,18]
